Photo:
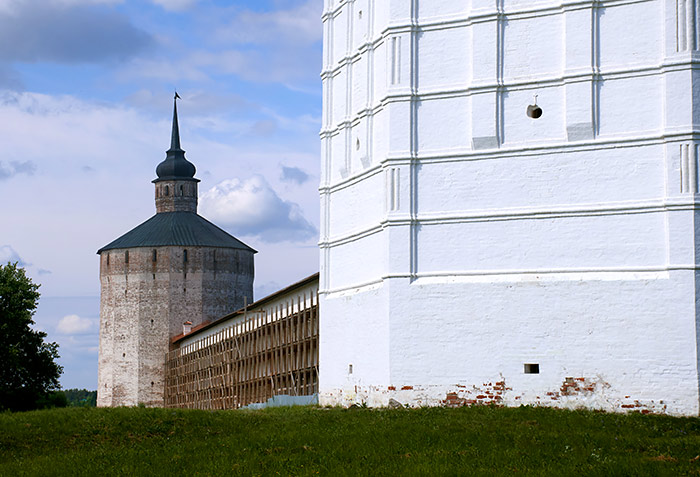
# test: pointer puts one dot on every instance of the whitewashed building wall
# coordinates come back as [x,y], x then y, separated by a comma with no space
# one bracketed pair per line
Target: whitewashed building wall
[463,240]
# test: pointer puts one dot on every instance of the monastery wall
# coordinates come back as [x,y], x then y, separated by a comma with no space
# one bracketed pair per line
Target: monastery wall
[281,304]
[463,240]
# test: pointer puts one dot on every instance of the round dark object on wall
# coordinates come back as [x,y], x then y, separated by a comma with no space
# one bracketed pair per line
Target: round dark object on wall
[534,111]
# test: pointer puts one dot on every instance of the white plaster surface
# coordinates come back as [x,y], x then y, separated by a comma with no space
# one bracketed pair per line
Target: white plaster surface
[496,240]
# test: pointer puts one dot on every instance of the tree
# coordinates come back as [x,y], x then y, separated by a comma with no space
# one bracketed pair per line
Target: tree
[28,369]
[81,397]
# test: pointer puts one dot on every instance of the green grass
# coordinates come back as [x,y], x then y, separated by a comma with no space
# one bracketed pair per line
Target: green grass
[309,441]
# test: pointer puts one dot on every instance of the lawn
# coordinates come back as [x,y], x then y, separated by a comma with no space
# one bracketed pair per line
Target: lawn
[311,441]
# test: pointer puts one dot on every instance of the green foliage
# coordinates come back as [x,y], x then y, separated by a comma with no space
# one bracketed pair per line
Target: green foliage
[312,441]
[52,399]
[81,397]
[28,370]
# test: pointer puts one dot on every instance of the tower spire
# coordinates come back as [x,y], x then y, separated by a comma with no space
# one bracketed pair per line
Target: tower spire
[175,166]
[175,138]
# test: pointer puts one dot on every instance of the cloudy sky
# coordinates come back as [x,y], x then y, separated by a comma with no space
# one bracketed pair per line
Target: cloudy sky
[86,92]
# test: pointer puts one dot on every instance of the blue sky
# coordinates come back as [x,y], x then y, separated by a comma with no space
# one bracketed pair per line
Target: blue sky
[86,92]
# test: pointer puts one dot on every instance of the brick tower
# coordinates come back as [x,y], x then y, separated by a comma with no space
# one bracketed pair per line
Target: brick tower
[175,267]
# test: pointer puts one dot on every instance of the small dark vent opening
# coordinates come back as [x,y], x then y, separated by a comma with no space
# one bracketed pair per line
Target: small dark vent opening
[532,368]
[534,111]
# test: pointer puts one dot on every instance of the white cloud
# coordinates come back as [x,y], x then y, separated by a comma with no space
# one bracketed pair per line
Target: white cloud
[8,254]
[175,5]
[298,25]
[74,325]
[253,208]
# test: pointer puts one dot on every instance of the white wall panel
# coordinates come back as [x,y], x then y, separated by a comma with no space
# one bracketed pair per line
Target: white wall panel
[630,240]
[444,124]
[444,58]
[631,34]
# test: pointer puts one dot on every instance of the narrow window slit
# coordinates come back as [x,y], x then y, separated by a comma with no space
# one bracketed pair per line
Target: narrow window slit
[532,368]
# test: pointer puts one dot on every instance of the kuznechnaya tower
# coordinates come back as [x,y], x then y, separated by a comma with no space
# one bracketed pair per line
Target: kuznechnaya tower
[175,267]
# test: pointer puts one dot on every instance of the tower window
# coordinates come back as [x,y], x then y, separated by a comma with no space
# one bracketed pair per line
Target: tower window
[107,259]
[126,257]
[167,190]
[184,255]
[182,190]
[155,256]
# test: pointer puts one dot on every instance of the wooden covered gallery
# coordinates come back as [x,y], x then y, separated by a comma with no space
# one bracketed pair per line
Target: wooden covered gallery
[269,348]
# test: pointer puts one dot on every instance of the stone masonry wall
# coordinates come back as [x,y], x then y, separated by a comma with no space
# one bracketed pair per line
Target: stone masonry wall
[145,302]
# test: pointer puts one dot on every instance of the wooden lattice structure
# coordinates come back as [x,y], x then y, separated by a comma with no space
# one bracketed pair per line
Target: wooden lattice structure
[269,352]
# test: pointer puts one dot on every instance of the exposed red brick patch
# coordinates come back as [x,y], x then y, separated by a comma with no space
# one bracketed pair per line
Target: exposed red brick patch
[572,386]
[406,388]
[392,388]
[453,400]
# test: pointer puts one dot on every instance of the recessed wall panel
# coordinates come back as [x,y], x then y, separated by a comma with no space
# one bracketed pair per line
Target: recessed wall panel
[357,208]
[533,46]
[543,243]
[631,34]
[631,105]
[339,101]
[542,181]
[444,59]
[357,263]
[444,125]
[340,36]
[519,128]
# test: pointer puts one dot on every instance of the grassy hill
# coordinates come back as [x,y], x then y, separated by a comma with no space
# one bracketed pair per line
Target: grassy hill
[311,441]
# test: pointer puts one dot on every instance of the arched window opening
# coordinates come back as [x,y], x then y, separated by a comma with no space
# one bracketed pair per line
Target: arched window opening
[126,257]
[184,255]
[155,256]
[167,190]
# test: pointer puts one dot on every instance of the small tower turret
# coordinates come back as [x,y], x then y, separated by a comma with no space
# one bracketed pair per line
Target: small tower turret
[176,187]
